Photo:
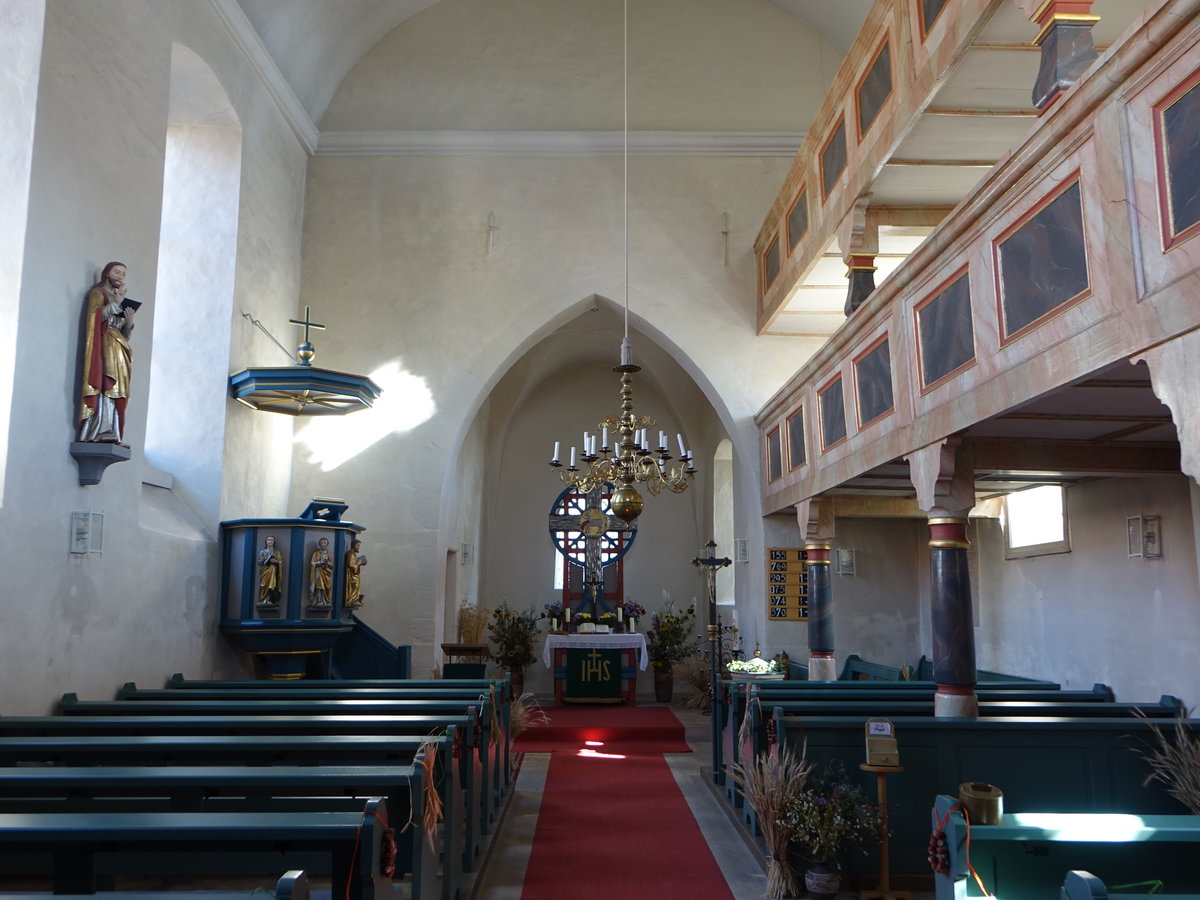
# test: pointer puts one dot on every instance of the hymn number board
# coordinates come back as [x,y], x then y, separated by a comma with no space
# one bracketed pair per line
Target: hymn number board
[787,584]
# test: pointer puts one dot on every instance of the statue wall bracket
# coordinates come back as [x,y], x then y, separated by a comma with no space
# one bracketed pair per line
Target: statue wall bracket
[94,457]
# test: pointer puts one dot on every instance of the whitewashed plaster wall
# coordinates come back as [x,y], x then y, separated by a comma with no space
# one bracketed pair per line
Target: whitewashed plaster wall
[398,246]
[1094,614]
[146,606]
[548,65]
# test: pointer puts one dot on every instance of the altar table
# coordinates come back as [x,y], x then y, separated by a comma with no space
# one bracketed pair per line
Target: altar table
[631,646]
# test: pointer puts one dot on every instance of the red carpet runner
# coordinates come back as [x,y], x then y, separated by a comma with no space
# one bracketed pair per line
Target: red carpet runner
[613,824]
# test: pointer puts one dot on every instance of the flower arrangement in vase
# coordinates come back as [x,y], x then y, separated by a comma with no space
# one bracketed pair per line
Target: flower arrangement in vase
[756,669]
[584,623]
[554,612]
[827,818]
[513,633]
[668,640]
[632,612]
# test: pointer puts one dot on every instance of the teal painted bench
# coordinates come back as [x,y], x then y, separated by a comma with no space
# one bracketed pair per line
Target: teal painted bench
[454,782]
[855,668]
[474,748]
[1067,764]
[496,693]
[1081,885]
[321,711]
[292,885]
[298,789]
[75,847]
[1022,856]
[727,717]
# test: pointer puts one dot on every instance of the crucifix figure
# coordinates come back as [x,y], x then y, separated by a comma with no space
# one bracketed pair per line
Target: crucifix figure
[581,517]
[305,352]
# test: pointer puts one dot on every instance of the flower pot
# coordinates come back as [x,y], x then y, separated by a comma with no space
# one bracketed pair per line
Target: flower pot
[516,680]
[823,881]
[664,685]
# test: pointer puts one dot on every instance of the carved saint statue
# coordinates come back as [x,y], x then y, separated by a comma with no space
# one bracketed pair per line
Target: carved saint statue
[320,575]
[270,570]
[354,563]
[107,358]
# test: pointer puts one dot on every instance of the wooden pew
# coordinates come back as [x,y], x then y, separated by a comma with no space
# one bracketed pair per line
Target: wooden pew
[320,710]
[734,696]
[1072,765]
[461,838]
[472,762]
[1083,885]
[496,692]
[301,790]
[292,885]
[74,847]
[1022,856]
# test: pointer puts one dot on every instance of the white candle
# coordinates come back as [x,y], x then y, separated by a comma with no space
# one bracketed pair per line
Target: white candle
[619,612]
[586,440]
[556,443]
[604,437]
[592,448]
[572,457]
[679,437]
[662,440]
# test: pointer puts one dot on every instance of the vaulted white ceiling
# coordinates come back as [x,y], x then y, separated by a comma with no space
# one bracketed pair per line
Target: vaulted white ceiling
[316,43]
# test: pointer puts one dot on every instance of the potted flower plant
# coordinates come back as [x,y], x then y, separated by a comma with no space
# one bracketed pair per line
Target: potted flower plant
[633,612]
[513,633]
[829,817]
[607,620]
[668,641]
[584,624]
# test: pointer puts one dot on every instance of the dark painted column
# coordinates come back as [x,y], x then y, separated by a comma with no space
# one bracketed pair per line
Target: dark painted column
[860,270]
[1068,47]
[821,664]
[953,618]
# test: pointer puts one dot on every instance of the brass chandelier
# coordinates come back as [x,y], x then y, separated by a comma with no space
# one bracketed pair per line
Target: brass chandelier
[632,460]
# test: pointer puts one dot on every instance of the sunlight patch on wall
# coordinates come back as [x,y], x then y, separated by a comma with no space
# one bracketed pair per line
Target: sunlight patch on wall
[405,403]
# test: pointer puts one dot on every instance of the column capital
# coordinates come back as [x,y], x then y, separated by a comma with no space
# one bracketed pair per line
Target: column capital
[943,474]
[815,516]
[1175,378]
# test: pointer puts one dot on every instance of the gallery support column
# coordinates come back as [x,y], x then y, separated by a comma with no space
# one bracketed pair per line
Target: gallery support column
[815,517]
[943,474]
[953,618]
[821,664]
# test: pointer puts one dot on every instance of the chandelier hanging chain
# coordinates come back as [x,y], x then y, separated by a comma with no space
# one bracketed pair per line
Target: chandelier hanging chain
[631,461]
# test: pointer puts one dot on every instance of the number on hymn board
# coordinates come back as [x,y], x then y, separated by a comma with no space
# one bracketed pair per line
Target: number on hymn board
[779,554]
[779,567]
[779,612]
[779,601]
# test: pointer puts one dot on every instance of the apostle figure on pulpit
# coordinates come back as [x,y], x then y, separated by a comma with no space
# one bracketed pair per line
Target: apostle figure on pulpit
[354,562]
[107,358]
[270,569]
[320,575]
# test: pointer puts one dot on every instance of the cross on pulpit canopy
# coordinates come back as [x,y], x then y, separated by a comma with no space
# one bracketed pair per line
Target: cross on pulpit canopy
[305,352]
[594,525]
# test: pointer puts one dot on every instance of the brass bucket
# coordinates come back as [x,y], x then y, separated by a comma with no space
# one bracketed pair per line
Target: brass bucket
[984,802]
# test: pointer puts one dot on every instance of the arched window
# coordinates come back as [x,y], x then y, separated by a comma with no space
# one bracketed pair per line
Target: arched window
[185,417]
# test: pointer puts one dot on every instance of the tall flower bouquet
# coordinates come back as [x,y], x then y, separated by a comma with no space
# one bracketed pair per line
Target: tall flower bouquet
[669,639]
[830,816]
[513,634]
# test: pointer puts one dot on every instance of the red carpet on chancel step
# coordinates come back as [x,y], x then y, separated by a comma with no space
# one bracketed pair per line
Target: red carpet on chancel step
[613,824]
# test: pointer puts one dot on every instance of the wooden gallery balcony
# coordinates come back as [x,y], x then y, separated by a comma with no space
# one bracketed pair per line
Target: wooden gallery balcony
[1027,258]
